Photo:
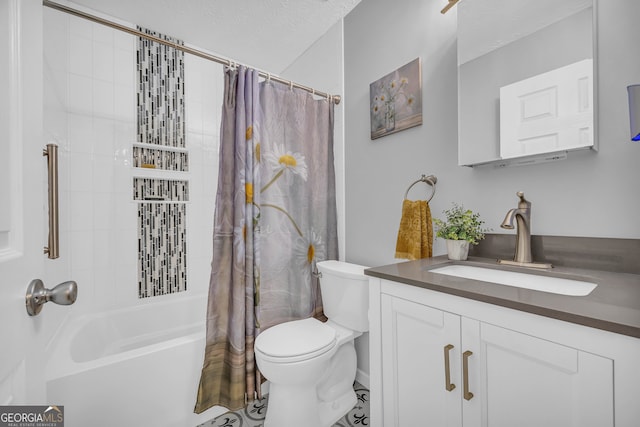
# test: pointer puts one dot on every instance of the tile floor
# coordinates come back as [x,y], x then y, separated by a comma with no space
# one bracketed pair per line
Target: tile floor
[253,415]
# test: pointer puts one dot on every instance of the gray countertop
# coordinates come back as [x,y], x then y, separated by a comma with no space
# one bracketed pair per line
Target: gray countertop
[614,305]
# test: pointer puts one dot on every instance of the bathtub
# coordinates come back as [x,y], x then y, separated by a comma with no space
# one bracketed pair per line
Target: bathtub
[132,367]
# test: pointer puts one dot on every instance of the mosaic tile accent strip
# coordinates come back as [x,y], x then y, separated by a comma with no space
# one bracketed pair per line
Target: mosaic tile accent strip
[160,92]
[162,252]
[167,190]
[162,249]
[253,414]
[160,159]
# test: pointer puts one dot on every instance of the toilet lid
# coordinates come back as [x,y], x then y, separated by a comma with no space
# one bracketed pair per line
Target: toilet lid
[297,338]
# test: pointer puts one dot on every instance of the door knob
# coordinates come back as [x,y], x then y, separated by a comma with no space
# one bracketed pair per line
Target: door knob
[63,294]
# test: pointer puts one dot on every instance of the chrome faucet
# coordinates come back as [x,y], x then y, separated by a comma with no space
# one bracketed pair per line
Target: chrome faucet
[522,217]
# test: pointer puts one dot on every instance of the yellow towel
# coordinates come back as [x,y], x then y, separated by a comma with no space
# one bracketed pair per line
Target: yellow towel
[415,235]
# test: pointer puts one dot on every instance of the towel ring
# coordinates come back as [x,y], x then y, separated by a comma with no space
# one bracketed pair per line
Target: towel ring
[430,179]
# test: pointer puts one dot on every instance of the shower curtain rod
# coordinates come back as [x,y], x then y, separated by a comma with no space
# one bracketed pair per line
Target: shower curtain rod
[335,98]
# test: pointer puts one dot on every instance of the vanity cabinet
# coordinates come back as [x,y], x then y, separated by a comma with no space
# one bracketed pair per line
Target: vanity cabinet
[442,360]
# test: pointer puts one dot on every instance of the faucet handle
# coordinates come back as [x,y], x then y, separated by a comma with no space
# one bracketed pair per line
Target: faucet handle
[524,203]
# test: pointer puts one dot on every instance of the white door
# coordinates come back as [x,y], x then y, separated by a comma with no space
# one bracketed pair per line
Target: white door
[549,112]
[524,381]
[22,201]
[416,340]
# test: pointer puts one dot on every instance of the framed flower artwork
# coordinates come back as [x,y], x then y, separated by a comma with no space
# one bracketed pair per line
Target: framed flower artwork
[396,100]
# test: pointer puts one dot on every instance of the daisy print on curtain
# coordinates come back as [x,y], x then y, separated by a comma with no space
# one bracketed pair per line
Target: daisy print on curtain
[298,225]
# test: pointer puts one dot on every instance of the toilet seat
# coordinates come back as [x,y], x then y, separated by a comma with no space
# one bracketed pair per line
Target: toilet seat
[295,341]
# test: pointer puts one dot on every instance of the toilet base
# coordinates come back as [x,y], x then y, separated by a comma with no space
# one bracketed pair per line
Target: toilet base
[331,412]
[293,406]
[290,405]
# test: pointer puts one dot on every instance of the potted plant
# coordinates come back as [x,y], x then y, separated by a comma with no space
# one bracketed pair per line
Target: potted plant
[461,228]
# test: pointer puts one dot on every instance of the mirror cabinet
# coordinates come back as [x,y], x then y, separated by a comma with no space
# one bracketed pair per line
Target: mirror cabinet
[525,79]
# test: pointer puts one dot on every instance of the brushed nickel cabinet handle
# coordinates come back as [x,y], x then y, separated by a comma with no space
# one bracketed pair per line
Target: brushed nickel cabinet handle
[447,371]
[465,375]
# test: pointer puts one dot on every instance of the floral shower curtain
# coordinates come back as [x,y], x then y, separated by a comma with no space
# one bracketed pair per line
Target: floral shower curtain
[275,218]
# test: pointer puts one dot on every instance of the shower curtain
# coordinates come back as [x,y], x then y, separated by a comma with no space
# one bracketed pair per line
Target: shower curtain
[275,218]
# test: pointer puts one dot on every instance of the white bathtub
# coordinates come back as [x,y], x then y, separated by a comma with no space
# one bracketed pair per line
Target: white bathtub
[133,367]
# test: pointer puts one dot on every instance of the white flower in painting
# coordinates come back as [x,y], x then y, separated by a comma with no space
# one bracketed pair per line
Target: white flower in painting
[411,102]
[377,106]
[286,161]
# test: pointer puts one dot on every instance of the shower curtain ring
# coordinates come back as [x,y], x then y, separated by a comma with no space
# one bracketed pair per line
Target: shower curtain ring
[290,84]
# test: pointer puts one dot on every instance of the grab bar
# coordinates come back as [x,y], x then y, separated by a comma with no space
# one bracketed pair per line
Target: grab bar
[430,179]
[53,248]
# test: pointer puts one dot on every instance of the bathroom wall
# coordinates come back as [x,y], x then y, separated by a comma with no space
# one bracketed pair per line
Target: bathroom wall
[588,194]
[90,111]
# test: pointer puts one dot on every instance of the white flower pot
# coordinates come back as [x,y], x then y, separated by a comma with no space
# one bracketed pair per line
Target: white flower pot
[457,250]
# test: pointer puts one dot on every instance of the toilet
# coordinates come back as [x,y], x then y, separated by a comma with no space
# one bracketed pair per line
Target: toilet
[311,366]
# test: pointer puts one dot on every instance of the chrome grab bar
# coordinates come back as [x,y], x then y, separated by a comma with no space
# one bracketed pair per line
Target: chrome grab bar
[53,247]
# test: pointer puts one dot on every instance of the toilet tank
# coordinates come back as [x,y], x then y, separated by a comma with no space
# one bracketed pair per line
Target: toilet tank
[345,294]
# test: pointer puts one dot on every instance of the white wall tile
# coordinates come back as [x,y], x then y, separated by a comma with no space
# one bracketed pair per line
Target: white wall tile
[105,286]
[102,33]
[103,174]
[84,279]
[103,137]
[124,68]
[193,112]
[103,211]
[80,56]
[80,213]
[80,133]
[124,41]
[103,99]
[81,244]
[79,27]
[80,94]
[103,61]
[56,48]
[81,172]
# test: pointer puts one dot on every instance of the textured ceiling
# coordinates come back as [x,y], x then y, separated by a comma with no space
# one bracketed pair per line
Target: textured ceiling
[266,34]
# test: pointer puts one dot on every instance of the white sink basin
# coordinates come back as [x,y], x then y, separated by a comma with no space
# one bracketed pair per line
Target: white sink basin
[535,282]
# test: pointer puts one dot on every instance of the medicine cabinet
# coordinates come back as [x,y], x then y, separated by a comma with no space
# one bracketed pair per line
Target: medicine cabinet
[525,79]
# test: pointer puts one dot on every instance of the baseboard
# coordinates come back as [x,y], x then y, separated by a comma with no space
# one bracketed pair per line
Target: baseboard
[362,377]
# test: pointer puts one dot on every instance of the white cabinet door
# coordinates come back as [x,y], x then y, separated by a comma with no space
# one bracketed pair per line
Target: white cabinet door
[415,340]
[520,380]
[549,112]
